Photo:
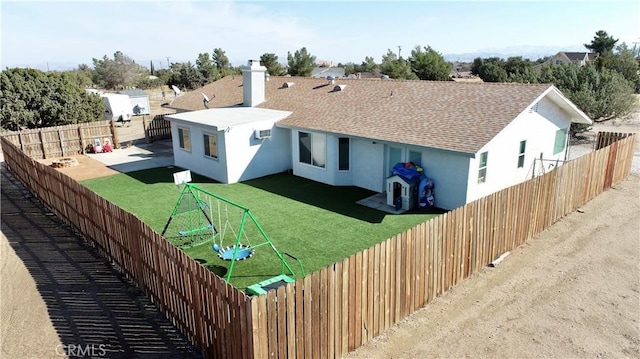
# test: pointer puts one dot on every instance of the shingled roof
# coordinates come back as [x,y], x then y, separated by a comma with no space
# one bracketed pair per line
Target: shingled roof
[459,117]
[579,56]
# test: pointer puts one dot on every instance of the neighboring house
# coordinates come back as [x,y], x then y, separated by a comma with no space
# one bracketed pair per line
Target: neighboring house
[326,72]
[139,101]
[472,139]
[578,58]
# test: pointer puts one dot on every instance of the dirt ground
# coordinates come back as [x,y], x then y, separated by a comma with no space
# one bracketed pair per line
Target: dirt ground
[85,168]
[571,292]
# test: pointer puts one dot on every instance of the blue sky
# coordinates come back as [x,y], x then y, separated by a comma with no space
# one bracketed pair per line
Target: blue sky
[64,34]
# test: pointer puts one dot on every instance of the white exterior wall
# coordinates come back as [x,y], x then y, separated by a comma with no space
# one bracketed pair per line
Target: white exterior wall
[538,128]
[369,161]
[249,157]
[318,174]
[367,164]
[448,170]
[241,156]
[195,160]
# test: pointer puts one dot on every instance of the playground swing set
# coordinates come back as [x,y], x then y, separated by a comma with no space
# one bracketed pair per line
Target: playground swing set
[192,224]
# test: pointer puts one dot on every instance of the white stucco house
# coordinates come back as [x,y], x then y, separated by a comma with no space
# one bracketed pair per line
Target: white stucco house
[472,139]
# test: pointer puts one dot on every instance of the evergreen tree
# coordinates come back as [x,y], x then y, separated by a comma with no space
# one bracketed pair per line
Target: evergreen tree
[429,64]
[34,99]
[396,67]
[602,43]
[301,63]
[274,68]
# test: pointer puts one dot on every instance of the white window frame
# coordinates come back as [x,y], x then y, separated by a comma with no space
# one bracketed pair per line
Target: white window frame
[522,148]
[183,144]
[317,140]
[482,169]
[204,145]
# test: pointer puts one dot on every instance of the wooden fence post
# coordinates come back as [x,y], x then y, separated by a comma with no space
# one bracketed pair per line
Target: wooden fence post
[82,145]
[20,141]
[44,151]
[144,128]
[114,135]
[61,139]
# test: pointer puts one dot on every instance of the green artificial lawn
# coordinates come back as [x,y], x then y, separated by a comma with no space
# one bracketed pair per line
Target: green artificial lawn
[317,223]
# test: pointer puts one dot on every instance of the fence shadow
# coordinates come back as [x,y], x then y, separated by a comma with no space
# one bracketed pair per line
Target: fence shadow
[88,301]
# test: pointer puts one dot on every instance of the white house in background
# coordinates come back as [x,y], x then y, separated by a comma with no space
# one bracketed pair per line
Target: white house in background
[139,101]
[472,139]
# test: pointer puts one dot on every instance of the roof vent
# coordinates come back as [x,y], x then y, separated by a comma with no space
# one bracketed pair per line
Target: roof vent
[339,88]
[287,84]
[534,108]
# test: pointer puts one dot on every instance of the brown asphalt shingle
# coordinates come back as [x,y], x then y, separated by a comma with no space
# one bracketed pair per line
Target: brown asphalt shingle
[460,117]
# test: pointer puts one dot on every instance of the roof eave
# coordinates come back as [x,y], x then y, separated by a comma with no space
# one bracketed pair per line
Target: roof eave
[577,115]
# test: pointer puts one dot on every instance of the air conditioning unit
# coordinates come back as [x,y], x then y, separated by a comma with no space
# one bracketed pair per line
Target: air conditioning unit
[262,134]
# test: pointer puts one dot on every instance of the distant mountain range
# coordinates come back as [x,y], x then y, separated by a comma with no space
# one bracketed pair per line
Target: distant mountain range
[527,52]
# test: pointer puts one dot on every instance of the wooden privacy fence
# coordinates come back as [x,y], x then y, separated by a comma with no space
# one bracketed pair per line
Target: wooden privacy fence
[61,141]
[211,313]
[157,129]
[339,308]
[604,139]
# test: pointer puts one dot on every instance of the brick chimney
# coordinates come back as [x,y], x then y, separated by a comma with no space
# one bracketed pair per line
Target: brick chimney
[253,78]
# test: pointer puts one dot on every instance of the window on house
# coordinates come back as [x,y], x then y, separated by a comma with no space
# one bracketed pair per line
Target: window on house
[558,62]
[561,141]
[482,171]
[415,157]
[211,145]
[343,154]
[184,139]
[523,145]
[312,148]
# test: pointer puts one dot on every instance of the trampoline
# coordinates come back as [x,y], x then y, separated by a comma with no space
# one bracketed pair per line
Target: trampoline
[226,253]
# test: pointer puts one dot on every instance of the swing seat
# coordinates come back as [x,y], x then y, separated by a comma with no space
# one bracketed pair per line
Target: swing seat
[268,284]
[244,252]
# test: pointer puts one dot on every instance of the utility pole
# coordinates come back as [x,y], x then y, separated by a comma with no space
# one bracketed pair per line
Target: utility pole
[168,63]
[399,49]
